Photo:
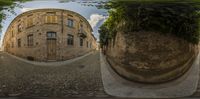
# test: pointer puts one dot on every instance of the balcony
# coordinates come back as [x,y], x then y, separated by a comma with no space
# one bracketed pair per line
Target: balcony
[82,33]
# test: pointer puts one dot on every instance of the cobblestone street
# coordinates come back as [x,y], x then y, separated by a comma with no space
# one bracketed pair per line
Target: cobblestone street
[79,79]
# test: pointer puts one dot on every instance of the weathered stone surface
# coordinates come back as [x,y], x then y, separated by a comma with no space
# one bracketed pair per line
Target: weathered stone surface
[150,57]
[39,28]
[14,95]
[27,80]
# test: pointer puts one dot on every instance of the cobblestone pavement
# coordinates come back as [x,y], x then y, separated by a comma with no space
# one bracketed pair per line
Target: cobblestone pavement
[79,79]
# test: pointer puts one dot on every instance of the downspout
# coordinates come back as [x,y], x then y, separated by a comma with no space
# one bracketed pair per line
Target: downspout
[62,30]
[62,22]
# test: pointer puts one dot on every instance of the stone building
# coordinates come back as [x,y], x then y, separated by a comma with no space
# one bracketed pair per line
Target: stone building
[49,34]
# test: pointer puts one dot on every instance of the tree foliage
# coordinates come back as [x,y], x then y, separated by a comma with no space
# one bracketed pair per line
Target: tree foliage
[178,17]
[8,5]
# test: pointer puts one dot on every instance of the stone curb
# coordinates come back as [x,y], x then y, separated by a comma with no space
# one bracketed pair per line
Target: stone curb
[58,63]
[115,85]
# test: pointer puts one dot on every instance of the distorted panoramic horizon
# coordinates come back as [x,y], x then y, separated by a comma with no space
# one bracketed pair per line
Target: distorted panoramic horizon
[89,10]
[100,48]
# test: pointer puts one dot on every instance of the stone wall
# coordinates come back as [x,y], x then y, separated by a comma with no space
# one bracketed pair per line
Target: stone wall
[39,30]
[150,57]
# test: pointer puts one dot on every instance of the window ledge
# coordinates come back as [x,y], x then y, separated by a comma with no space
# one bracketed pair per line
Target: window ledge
[71,45]
[30,26]
[70,27]
[50,23]
[30,46]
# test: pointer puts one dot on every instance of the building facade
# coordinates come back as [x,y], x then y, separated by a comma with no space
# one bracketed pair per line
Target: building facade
[49,34]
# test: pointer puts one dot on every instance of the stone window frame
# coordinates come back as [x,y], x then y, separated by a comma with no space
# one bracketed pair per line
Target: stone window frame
[81,41]
[51,17]
[19,27]
[19,42]
[12,44]
[51,35]
[70,39]
[81,26]
[12,33]
[70,15]
[7,45]
[70,22]
[30,21]
[87,44]
[30,40]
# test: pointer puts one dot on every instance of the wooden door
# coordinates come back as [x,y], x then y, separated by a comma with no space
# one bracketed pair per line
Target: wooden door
[51,49]
[51,46]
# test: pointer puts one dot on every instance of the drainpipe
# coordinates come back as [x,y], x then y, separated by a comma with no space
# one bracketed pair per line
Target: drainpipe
[62,30]
[62,22]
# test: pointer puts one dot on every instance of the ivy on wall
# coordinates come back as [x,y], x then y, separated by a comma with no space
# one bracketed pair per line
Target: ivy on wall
[178,17]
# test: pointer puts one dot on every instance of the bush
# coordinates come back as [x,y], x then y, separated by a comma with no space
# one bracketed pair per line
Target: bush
[180,18]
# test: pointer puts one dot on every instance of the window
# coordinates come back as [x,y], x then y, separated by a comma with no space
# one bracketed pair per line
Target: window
[8,45]
[70,23]
[51,34]
[12,44]
[87,44]
[30,40]
[19,27]
[19,42]
[81,30]
[70,15]
[29,22]
[12,33]
[81,26]
[70,39]
[81,41]
[51,19]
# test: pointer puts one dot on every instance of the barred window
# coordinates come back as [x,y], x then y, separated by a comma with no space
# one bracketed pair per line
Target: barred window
[30,40]
[51,35]
[19,27]
[87,44]
[70,39]
[12,33]
[12,44]
[19,42]
[70,22]
[81,41]
[81,26]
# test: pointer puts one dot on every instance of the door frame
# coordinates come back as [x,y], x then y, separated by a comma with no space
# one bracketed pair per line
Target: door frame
[51,36]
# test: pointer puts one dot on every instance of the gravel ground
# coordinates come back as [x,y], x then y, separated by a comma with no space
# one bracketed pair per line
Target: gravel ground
[79,79]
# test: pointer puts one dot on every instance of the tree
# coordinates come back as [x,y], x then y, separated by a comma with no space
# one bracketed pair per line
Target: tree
[178,17]
[8,5]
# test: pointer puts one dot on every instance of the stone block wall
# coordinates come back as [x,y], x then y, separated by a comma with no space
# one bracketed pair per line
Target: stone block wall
[150,57]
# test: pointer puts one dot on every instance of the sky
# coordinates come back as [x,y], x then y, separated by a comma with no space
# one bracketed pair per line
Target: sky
[95,16]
